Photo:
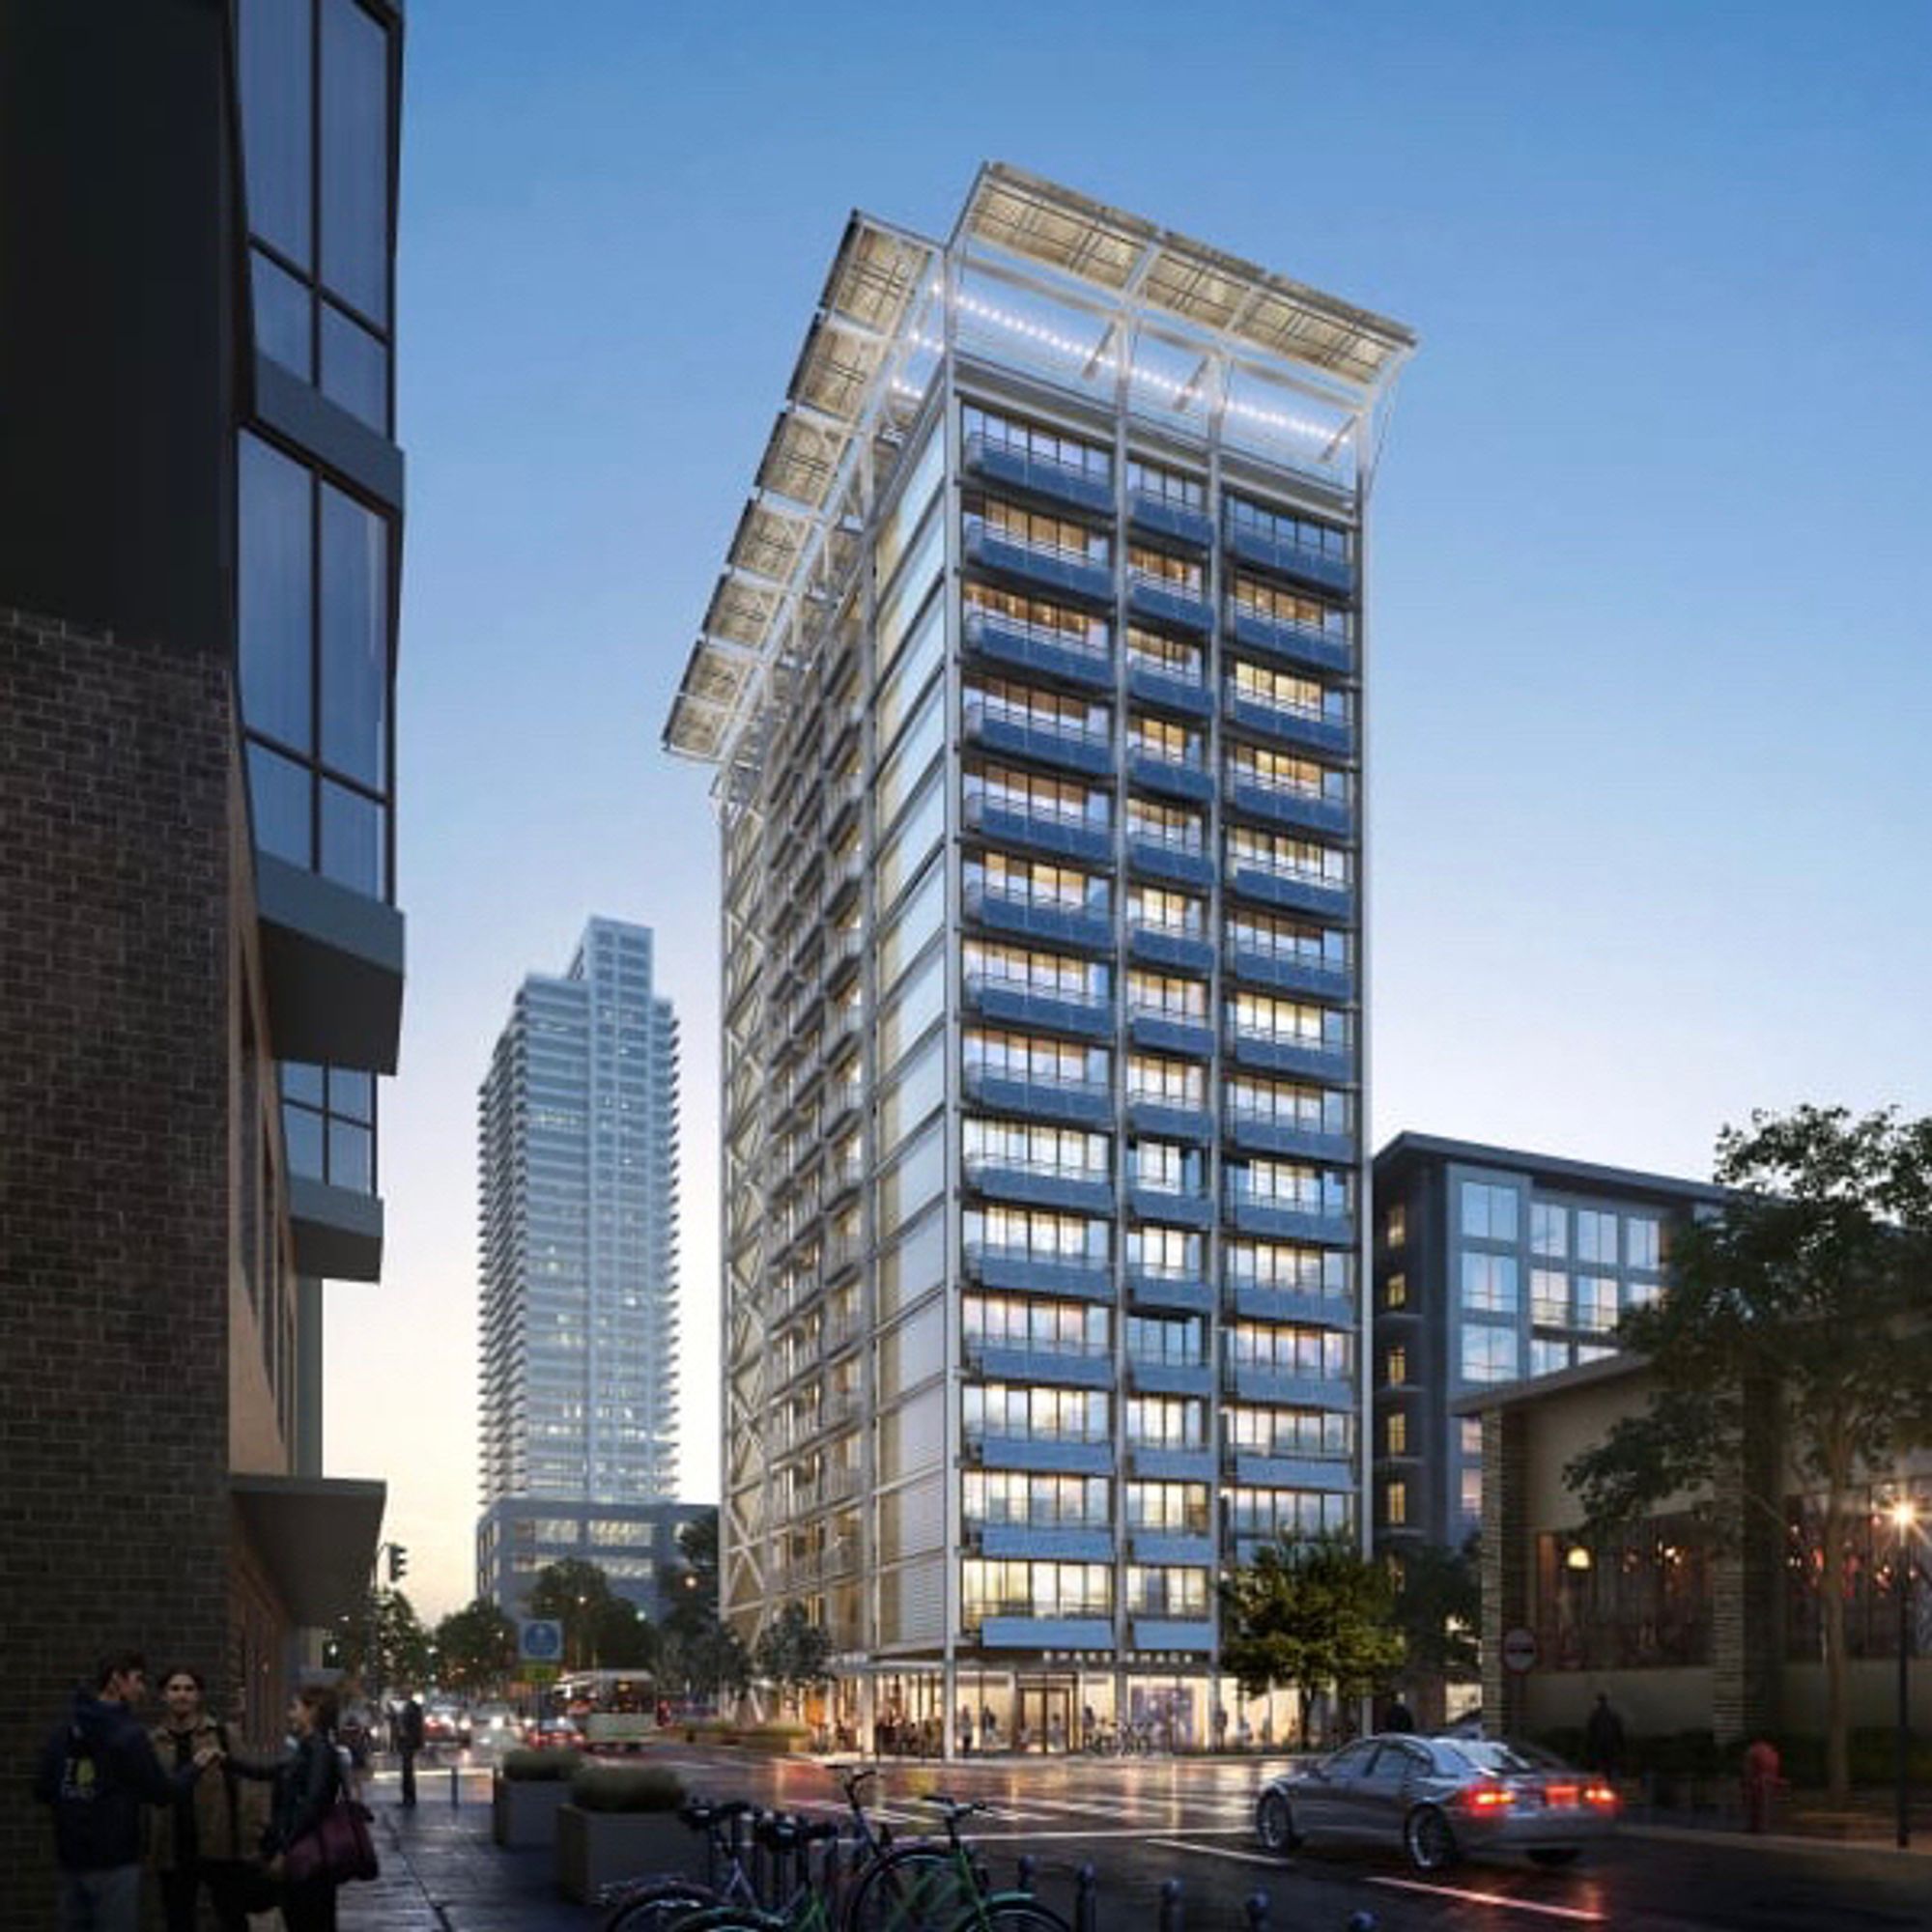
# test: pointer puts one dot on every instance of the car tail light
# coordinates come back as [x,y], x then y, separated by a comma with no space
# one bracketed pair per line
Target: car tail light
[1560,1797]
[1600,1795]
[1488,1797]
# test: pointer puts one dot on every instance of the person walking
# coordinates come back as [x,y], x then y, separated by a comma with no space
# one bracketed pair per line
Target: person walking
[200,1840]
[96,1771]
[409,1742]
[1398,1717]
[1604,1738]
[307,1781]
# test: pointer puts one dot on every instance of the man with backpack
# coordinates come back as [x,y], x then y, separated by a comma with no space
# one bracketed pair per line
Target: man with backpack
[96,1771]
[410,1742]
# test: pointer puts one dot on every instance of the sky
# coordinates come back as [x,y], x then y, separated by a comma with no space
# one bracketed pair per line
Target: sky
[1651,674]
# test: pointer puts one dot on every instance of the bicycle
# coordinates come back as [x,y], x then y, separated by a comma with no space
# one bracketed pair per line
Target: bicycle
[656,1904]
[923,1888]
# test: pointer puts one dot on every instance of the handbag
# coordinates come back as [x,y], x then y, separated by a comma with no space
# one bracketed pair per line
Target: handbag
[337,1848]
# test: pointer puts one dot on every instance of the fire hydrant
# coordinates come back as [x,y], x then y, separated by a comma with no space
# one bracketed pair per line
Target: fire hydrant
[1761,1773]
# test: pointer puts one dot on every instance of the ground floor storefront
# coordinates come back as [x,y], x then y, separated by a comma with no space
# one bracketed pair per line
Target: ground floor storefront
[968,1707]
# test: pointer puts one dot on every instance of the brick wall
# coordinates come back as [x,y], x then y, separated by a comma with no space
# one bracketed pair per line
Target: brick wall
[1505,1557]
[115,949]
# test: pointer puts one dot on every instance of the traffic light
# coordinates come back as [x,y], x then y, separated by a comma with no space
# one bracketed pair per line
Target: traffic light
[399,1563]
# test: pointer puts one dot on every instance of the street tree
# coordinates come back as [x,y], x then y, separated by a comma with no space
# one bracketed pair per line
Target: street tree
[1791,1349]
[622,1638]
[703,1658]
[382,1642]
[690,1589]
[574,1592]
[792,1651]
[1314,1613]
[477,1646]
[1439,1609]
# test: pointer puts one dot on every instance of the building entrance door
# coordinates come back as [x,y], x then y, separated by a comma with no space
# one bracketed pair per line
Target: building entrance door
[1045,1714]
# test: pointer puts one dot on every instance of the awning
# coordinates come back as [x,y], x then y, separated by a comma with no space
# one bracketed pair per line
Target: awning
[314,1536]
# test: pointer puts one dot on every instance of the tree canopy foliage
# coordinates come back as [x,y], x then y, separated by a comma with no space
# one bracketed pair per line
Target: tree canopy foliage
[476,1647]
[1439,1609]
[792,1651]
[1800,1310]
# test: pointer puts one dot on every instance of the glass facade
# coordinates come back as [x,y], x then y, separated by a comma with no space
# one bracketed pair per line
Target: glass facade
[1061,1187]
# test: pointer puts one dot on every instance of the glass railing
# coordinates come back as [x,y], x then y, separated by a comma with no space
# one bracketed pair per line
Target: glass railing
[1091,642]
[1018,717]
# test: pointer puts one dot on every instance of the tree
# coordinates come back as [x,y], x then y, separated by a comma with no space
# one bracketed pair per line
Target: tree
[692,1588]
[1439,1609]
[1313,1613]
[621,1637]
[1794,1322]
[477,1646]
[575,1593]
[792,1651]
[703,1660]
[382,1642]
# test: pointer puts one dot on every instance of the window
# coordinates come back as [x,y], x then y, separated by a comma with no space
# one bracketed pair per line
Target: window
[1034,795]
[1596,1237]
[1037,530]
[1164,996]
[1549,1298]
[1287,1431]
[1548,1229]
[1489,1212]
[1547,1357]
[1167,1167]
[1167,1591]
[1038,443]
[1166,1421]
[1470,1435]
[1150,565]
[1395,1365]
[1169,1343]
[991,1588]
[1036,618]
[1032,709]
[1291,531]
[1395,1434]
[1597,1304]
[1177,912]
[1035,1414]
[1286,771]
[1395,1291]
[1163,740]
[1395,1502]
[1011,1496]
[1034,881]
[1395,1225]
[1286,691]
[1054,974]
[1643,1242]
[1038,1059]
[1036,1325]
[1173,826]
[1170,1253]
[1290,1267]
[1290,1512]
[1470,1497]
[1290,1104]
[1168,656]
[1327,949]
[1270,604]
[1489,1284]
[1165,1082]
[1315,1354]
[1036,1233]
[1169,485]
[1175,1509]
[1028,1147]
[1282,856]
[1489,1355]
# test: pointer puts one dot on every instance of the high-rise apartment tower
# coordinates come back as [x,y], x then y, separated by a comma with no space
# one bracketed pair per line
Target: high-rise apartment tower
[577,1138]
[1033,679]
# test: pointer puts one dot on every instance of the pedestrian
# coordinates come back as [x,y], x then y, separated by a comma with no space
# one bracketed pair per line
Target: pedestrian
[1398,1717]
[1762,1769]
[1220,1727]
[1604,1738]
[963,1724]
[409,1742]
[307,1781]
[96,1771]
[202,1839]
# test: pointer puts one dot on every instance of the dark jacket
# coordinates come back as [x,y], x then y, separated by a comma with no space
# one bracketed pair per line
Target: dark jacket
[306,1783]
[96,1771]
[410,1728]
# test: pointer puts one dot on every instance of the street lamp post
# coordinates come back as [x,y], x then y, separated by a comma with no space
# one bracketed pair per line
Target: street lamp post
[1904,1515]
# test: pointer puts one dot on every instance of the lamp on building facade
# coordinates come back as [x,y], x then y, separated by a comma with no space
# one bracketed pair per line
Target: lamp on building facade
[1904,1514]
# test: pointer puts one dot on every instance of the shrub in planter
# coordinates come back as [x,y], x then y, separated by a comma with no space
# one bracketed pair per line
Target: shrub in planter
[621,1820]
[539,1767]
[626,1787]
[527,1793]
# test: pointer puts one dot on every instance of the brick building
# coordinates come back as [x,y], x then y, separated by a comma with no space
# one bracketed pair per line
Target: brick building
[200,954]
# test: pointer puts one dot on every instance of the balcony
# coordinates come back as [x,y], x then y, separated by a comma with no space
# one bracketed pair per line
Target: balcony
[1053,834]
[1035,475]
[1162,517]
[1020,734]
[1092,1016]
[1255,1381]
[1309,730]
[1170,1378]
[1085,1103]
[1165,1205]
[1026,1272]
[1169,1545]
[1077,1368]
[1049,567]
[1292,1053]
[1255,1130]
[1079,1190]
[1022,1630]
[1168,1119]
[1291,970]
[1261,1303]
[338,1231]
[1155,1027]
[1051,921]
[1162,1290]
[1070,1543]
[1319,569]
[1264,1214]
[1306,646]
[1161,600]
[1192,1634]
[1156,1461]
[1170,690]
[1072,657]
[1043,1455]
[1171,778]
[332,963]
[1158,856]
[1297,892]
[1294,807]
[1257,1468]
[1170,946]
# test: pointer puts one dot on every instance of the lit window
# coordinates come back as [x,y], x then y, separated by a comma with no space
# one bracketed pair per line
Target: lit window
[1396,1294]
[1395,1226]
[1473,1492]
[1471,1429]
[1395,1503]
[1397,1361]
[1396,1434]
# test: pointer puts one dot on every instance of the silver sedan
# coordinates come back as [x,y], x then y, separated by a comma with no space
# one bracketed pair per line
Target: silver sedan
[1438,1799]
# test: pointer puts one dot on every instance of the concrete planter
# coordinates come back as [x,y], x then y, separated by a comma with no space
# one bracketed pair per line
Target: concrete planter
[598,1848]
[522,1812]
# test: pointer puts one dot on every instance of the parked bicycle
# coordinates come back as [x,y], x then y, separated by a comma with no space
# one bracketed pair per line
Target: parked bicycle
[655,1904]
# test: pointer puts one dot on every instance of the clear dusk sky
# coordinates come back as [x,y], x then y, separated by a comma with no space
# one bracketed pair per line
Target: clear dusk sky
[1652,682]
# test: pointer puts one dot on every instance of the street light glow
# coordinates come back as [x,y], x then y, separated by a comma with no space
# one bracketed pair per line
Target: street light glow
[1904,1514]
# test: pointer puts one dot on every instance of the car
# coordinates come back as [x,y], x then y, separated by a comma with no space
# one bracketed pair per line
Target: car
[446,1724]
[554,1734]
[495,1726]
[1437,1800]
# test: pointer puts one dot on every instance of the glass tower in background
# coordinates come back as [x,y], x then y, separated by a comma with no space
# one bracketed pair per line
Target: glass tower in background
[576,1134]
[1034,680]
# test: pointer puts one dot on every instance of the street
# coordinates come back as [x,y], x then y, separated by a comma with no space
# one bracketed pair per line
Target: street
[1142,1822]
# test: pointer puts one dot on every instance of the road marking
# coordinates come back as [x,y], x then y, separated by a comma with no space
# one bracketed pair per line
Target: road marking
[1220,1850]
[1207,1830]
[1507,1904]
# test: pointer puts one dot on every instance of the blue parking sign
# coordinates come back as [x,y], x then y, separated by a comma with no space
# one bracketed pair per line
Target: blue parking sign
[540,1640]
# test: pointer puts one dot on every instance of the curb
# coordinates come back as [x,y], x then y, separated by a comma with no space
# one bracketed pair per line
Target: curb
[1776,1841]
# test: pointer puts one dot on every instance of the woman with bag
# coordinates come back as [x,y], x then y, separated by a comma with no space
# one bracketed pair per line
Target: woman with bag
[203,1838]
[308,1787]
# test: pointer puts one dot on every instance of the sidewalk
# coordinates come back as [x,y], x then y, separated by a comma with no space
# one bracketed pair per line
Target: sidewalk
[441,1873]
